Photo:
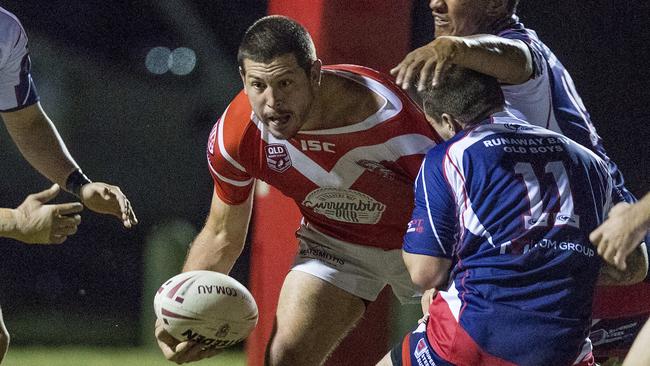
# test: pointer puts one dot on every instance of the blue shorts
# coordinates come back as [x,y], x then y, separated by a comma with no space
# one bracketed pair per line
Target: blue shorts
[415,350]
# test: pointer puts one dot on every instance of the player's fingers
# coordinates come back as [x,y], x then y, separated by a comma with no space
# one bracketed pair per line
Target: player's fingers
[438,73]
[595,237]
[162,336]
[67,220]
[395,70]
[195,353]
[186,352]
[58,238]
[410,73]
[128,215]
[609,253]
[47,195]
[401,70]
[619,261]
[69,208]
[425,74]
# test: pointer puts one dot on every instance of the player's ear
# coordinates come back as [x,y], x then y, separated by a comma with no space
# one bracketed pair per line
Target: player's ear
[242,74]
[450,124]
[315,72]
[497,8]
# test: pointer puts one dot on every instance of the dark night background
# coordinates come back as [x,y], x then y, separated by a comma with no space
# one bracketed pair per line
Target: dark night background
[147,134]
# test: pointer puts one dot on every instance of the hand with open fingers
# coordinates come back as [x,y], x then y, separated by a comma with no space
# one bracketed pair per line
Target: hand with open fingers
[427,63]
[620,234]
[39,223]
[181,352]
[108,199]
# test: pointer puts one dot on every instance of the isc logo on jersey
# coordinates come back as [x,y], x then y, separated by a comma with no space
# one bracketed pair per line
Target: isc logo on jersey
[315,145]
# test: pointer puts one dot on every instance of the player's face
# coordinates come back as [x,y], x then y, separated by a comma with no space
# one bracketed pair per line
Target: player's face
[459,17]
[280,93]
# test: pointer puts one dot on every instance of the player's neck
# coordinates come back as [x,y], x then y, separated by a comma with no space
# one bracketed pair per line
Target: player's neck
[341,102]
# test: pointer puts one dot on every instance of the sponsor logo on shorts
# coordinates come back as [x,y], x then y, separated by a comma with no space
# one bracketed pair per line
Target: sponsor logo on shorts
[277,157]
[345,205]
[321,254]
[620,332]
[422,354]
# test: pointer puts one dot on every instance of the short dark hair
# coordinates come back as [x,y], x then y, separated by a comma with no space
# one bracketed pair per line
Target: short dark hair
[274,36]
[463,93]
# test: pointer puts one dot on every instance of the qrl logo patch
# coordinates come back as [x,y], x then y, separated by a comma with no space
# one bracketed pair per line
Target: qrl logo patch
[277,157]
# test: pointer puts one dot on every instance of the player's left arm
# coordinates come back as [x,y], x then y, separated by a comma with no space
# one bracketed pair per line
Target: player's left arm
[636,270]
[426,271]
[508,60]
[429,240]
[40,143]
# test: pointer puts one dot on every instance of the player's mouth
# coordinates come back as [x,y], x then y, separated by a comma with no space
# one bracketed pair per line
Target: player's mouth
[279,121]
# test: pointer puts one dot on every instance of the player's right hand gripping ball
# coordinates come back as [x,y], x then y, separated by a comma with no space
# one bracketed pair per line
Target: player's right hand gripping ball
[207,307]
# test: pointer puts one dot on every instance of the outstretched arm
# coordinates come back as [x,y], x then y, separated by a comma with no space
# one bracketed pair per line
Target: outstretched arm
[40,143]
[215,248]
[508,60]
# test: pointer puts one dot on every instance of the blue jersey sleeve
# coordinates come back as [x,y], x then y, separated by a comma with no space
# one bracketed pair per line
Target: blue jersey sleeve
[433,227]
[530,39]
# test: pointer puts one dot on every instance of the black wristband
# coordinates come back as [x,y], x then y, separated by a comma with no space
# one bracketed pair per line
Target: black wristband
[75,181]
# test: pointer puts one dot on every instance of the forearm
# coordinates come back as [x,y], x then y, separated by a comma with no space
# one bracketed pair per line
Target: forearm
[212,252]
[40,143]
[507,60]
[8,224]
[427,272]
[636,271]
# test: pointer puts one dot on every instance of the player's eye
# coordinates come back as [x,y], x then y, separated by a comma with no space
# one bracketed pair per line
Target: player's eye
[258,85]
[285,83]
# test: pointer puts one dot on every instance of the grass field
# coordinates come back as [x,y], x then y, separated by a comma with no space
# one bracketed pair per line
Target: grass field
[78,356]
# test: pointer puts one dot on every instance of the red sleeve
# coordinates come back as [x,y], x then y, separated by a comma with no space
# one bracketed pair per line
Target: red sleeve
[232,182]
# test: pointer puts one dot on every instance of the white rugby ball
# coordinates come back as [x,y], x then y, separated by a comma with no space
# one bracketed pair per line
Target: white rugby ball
[207,307]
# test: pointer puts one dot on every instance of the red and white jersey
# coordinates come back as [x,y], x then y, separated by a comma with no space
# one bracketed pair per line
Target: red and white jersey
[354,183]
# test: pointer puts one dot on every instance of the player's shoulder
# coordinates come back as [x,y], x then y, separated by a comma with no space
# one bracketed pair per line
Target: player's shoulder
[378,81]
[10,28]
[357,69]
[399,104]
[235,122]
[518,31]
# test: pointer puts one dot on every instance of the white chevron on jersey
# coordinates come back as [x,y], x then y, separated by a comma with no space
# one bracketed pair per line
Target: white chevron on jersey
[347,171]
[391,107]
[222,147]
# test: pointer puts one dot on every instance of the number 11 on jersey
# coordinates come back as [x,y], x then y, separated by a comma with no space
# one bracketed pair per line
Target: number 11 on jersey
[539,217]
